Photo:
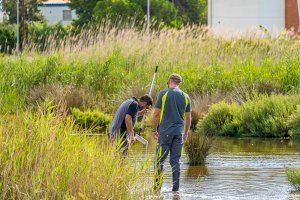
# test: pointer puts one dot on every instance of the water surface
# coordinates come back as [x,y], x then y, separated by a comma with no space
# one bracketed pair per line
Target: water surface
[238,168]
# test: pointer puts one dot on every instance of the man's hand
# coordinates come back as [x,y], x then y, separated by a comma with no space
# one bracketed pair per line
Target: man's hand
[185,138]
[155,134]
[131,139]
[142,112]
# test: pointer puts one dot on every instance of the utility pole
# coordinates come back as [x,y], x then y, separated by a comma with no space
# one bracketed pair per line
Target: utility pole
[148,16]
[18,28]
[23,23]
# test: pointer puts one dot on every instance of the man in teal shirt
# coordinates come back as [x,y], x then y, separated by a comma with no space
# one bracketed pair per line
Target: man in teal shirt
[171,125]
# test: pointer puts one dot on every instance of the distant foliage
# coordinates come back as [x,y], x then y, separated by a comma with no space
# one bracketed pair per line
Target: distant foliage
[262,116]
[163,12]
[8,37]
[91,119]
[42,35]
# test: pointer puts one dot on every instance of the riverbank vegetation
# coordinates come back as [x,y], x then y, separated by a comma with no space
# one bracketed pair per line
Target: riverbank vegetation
[260,116]
[101,67]
[255,79]
[44,155]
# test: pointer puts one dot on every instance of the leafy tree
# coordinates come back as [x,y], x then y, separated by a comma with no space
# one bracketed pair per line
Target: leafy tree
[115,9]
[32,12]
[84,10]
[162,11]
[192,11]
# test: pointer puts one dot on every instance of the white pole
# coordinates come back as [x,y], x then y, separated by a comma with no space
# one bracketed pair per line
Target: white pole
[148,16]
[18,30]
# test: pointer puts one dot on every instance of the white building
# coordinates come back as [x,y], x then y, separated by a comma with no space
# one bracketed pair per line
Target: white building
[57,11]
[1,12]
[248,15]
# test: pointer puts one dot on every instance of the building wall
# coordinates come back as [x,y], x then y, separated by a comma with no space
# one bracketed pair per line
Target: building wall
[246,15]
[1,12]
[54,13]
[1,16]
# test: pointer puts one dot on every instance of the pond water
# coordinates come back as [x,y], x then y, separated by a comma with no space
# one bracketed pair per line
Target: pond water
[237,168]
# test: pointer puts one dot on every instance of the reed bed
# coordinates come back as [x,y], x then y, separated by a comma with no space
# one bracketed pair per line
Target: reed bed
[43,157]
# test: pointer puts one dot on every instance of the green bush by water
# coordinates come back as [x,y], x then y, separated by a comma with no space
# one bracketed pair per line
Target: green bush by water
[261,116]
[223,119]
[294,178]
[294,123]
[91,119]
[267,116]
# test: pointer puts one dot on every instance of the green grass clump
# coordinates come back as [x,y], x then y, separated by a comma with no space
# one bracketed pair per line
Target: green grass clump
[261,116]
[197,148]
[91,119]
[294,123]
[40,159]
[294,178]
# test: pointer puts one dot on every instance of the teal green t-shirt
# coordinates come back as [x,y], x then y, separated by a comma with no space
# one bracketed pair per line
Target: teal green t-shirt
[174,103]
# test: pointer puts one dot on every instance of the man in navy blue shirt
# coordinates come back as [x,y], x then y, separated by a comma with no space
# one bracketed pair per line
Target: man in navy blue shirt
[171,125]
[125,118]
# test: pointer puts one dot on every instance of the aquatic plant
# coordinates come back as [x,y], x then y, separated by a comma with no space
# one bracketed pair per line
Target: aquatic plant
[197,148]
[294,178]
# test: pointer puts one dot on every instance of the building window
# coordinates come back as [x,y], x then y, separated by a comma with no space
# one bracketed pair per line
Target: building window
[67,15]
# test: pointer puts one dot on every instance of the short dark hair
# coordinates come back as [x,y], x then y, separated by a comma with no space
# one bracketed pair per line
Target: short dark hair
[146,98]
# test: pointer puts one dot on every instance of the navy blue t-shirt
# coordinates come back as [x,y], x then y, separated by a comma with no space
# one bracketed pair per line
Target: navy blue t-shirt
[132,111]
[174,103]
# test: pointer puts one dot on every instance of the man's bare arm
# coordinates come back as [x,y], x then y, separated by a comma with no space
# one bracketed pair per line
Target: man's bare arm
[129,127]
[188,119]
[156,116]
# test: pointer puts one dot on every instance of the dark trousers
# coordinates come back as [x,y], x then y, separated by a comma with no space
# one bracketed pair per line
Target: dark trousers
[168,144]
[124,143]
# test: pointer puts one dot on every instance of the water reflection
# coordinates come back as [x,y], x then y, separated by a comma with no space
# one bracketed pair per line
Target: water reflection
[256,145]
[196,171]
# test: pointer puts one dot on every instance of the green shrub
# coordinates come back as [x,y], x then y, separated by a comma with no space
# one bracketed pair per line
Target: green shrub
[197,148]
[294,178]
[266,116]
[222,119]
[294,123]
[91,119]
[261,116]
